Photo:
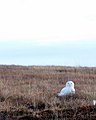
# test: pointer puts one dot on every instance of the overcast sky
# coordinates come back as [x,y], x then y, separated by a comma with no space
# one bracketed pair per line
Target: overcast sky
[48,32]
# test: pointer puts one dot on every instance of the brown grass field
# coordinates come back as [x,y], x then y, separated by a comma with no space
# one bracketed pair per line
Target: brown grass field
[30,93]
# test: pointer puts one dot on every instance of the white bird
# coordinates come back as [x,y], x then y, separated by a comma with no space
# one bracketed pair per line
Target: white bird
[94,102]
[68,89]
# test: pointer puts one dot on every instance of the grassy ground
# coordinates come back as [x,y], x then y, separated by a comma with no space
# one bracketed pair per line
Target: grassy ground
[30,93]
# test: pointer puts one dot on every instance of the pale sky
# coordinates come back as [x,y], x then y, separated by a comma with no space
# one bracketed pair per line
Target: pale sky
[36,31]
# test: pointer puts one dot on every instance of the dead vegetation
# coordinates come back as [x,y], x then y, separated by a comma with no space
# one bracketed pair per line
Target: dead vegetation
[30,93]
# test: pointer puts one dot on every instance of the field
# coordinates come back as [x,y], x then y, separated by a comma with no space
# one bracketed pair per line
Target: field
[30,93]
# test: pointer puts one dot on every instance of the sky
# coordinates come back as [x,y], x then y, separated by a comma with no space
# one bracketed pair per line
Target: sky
[48,32]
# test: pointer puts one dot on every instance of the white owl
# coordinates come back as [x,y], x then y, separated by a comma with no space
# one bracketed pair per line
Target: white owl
[94,102]
[68,89]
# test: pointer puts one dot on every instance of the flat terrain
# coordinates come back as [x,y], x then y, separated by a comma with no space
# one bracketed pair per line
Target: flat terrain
[30,93]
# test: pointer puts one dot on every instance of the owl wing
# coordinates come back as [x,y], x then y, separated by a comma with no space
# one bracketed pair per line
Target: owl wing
[73,90]
[63,92]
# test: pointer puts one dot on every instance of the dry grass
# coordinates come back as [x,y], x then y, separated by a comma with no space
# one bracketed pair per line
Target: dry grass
[30,92]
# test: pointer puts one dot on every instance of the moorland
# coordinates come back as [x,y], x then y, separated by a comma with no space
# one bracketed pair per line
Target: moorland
[30,93]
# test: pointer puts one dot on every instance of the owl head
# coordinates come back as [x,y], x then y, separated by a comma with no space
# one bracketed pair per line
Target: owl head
[70,84]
